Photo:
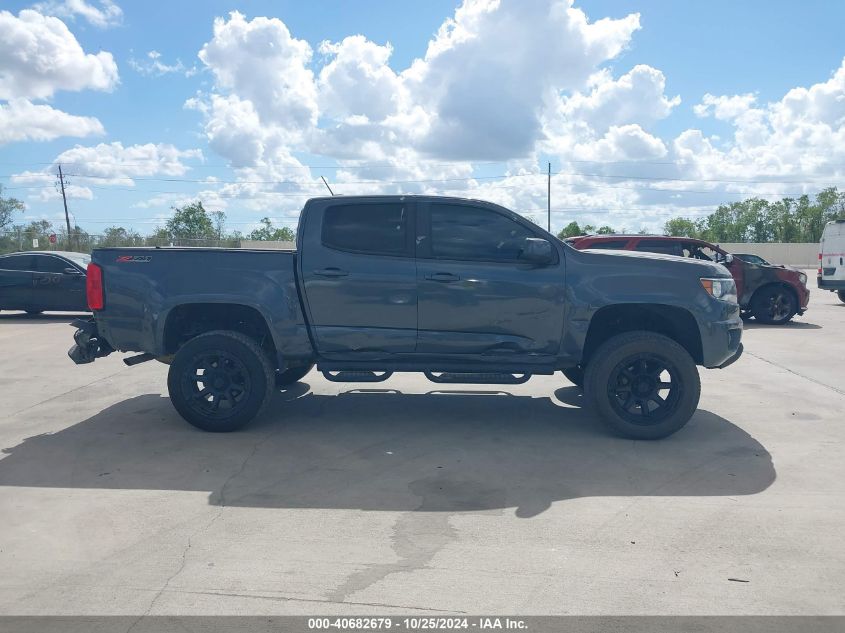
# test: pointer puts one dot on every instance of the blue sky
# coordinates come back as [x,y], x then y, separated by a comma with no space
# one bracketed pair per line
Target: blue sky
[437,131]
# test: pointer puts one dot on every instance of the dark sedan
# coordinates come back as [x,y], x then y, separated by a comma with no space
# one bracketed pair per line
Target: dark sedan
[38,281]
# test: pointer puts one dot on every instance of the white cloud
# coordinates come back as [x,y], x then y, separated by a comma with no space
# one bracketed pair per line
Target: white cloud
[21,120]
[103,16]
[260,61]
[622,143]
[153,66]
[39,56]
[113,164]
[72,192]
[357,81]
[507,81]
[478,92]
[636,97]
[724,107]
[489,71]
[800,136]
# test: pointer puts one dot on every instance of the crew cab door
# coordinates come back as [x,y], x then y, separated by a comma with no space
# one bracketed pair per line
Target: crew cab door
[475,294]
[359,276]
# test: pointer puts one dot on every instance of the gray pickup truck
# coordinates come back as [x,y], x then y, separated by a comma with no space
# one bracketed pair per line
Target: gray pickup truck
[463,291]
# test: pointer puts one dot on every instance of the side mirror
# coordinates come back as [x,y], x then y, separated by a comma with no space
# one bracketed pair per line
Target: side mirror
[537,251]
[729,258]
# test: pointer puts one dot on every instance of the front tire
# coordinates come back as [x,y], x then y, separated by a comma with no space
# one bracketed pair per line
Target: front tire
[774,305]
[841,295]
[220,380]
[644,385]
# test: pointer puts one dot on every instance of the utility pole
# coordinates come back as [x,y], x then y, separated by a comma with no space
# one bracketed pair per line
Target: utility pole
[549,198]
[64,199]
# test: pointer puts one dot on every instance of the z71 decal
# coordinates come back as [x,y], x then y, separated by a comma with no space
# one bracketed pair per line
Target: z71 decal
[133,259]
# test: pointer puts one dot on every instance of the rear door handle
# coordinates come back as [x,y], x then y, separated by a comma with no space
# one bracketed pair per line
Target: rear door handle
[331,272]
[443,277]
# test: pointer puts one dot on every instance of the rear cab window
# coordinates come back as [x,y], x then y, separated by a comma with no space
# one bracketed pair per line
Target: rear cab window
[369,228]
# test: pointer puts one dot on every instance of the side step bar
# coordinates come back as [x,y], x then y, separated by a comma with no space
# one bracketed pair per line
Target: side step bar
[477,378]
[356,376]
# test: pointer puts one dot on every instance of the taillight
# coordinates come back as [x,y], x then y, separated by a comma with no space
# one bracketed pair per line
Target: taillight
[94,287]
[820,264]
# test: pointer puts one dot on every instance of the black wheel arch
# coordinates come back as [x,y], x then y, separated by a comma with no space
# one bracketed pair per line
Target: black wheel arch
[186,321]
[674,322]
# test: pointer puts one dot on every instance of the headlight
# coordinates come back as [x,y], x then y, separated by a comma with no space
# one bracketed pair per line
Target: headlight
[803,278]
[720,288]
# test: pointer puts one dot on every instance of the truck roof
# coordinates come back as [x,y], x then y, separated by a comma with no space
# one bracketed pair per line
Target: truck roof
[414,196]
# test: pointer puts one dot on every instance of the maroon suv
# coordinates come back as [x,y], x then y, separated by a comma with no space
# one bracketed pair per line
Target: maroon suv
[769,293]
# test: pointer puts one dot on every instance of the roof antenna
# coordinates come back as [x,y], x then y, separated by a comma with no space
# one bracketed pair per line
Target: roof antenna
[327,185]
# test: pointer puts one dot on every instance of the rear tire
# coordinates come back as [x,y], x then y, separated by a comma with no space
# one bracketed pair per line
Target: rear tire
[841,295]
[219,381]
[575,375]
[774,305]
[290,376]
[644,385]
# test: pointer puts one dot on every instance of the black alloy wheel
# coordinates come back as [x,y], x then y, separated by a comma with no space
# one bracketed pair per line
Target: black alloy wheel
[643,384]
[644,389]
[220,380]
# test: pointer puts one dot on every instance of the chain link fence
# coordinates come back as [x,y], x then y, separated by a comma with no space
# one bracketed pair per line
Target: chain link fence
[15,241]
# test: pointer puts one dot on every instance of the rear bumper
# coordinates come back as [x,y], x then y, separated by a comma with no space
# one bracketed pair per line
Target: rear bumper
[831,284]
[88,344]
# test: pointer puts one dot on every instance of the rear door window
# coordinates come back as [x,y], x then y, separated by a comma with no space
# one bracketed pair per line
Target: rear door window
[372,228]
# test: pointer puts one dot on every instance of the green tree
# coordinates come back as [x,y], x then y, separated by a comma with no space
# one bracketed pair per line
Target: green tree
[605,230]
[680,227]
[190,222]
[8,208]
[159,237]
[570,230]
[218,218]
[268,232]
[119,236]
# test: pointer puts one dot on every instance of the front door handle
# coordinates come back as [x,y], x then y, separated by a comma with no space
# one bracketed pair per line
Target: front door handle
[331,272]
[443,277]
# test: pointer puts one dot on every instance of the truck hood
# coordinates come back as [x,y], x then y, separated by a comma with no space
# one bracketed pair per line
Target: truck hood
[705,268]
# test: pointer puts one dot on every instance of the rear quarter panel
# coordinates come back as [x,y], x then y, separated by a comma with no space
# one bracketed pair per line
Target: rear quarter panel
[142,286]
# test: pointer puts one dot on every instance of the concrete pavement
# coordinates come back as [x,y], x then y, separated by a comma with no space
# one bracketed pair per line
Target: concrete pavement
[421,498]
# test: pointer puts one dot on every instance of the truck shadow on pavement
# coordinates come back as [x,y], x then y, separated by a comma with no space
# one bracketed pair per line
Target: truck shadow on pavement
[444,451]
